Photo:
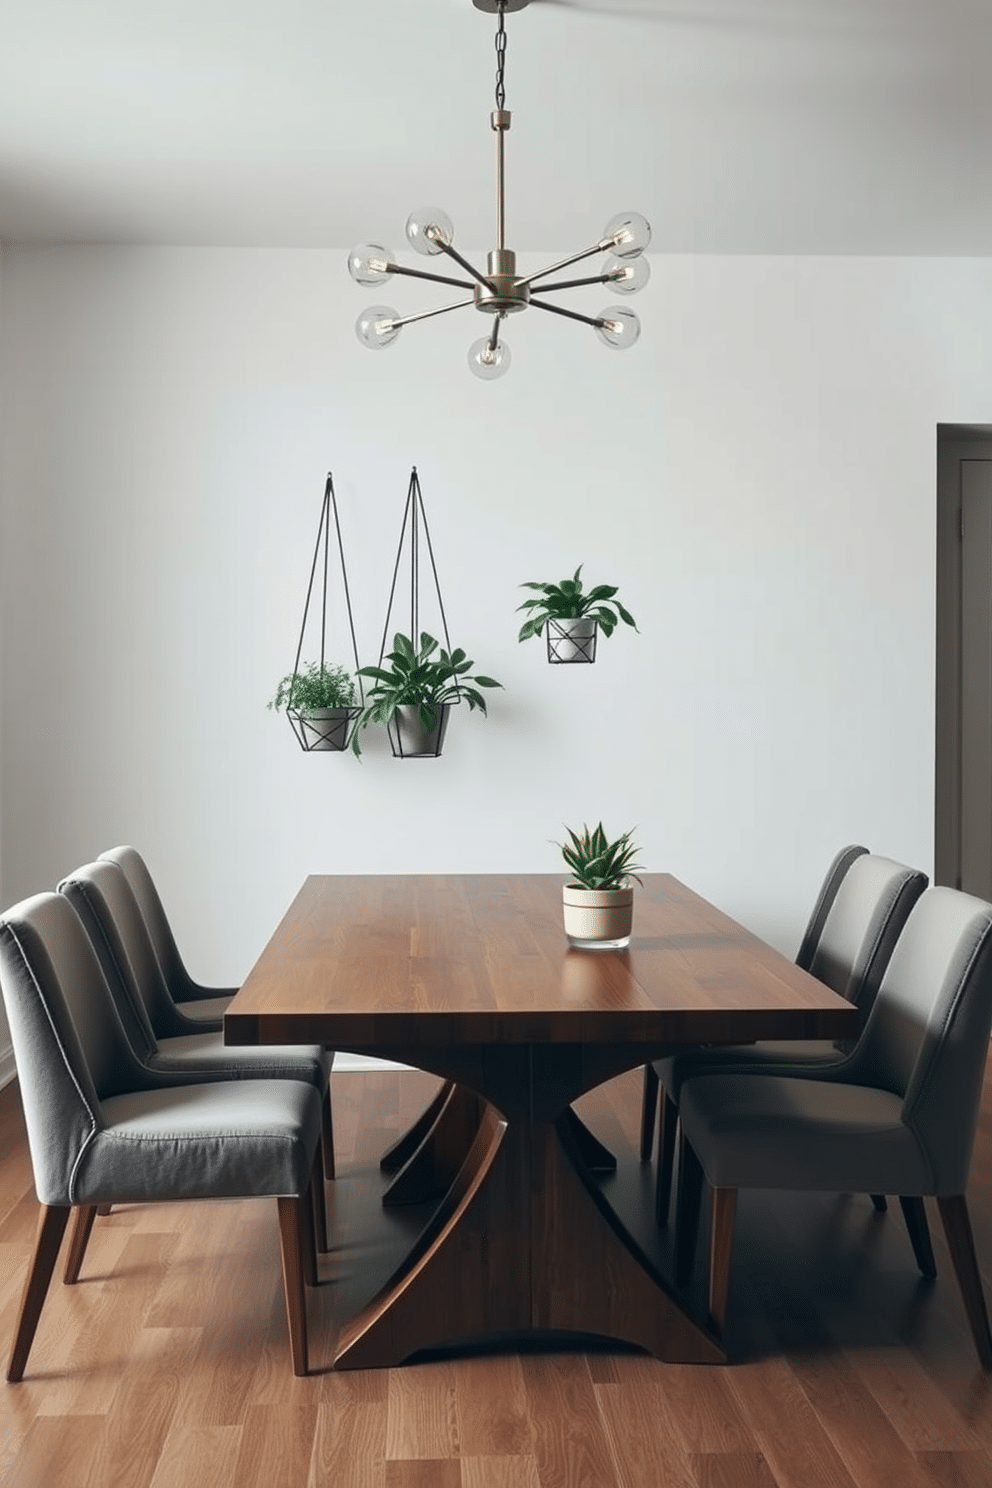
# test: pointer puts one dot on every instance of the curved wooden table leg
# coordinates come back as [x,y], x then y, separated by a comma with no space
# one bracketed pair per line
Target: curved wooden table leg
[524,1242]
[435,1164]
[405,1146]
[438,1147]
[597,1157]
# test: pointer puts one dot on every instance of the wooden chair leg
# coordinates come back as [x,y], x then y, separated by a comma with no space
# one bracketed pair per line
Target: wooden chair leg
[961,1244]
[722,1213]
[668,1122]
[327,1134]
[51,1228]
[81,1227]
[649,1107]
[919,1234]
[295,1224]
[319,1200]
[103,1209]
[880,1202]
[687,1211]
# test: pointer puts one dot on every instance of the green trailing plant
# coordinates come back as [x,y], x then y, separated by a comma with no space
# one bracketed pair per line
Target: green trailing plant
[424,677]
[315,687]
[596,863]
[568,600]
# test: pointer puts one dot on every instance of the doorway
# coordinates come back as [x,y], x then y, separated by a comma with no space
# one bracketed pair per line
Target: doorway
[963,785]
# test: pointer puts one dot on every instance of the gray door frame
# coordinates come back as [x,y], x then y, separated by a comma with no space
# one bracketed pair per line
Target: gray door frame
[955,443]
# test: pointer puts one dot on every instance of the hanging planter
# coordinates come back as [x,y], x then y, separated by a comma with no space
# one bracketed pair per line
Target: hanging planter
[411,738]
[322,699]
[416,684]
[572,617]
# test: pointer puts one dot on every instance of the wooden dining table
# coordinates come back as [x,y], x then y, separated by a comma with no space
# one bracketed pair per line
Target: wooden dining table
[470,977]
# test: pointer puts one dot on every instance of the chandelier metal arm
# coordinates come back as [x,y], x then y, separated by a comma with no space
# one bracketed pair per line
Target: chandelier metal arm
[469,268]
[594,320]
[564,263]
[402,320]
[395,268]
[578,283]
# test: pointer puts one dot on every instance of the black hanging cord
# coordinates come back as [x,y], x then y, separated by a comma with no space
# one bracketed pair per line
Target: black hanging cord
[328,505]
[414,515]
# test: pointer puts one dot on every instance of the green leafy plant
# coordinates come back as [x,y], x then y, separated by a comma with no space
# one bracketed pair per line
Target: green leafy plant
[316,687]
[425,677]
[596,863]
[568,600]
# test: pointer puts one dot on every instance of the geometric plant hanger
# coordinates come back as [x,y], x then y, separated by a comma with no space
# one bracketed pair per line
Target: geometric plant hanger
[325,728]
[408,741]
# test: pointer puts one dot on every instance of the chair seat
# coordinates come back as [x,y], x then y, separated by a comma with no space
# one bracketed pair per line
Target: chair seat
[203,1053]
[751,1131]
[206,1009]
[230,1140]
[781,1057]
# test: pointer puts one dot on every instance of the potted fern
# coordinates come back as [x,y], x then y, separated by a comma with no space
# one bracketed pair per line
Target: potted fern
[598,901]
[413,696]
[320,702]
[573,616]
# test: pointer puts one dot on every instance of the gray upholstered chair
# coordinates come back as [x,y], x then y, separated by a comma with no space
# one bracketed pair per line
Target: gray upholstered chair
[103,1129]
[200,1005]
[160,1039]
[897,1116]
[862,906]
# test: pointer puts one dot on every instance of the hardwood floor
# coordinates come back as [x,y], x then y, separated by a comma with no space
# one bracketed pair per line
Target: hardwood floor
[169,1363]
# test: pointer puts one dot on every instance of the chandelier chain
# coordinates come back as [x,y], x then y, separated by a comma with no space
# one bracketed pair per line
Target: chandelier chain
[501,58]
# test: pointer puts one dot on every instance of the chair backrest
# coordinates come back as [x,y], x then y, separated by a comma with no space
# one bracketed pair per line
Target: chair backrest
[101,896]
[824,900]
[70,1047]
[870,906]
[927,1038]
[142,885]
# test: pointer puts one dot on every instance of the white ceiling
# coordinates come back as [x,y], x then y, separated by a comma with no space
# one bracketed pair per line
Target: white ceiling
[736,126]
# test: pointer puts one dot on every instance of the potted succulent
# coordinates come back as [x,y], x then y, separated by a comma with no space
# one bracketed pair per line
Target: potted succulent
[573,616]
[598,901]
[320,702]
[413,695]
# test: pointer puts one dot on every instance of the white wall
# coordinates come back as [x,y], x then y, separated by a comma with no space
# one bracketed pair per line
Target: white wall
[6,1057]
[758,474]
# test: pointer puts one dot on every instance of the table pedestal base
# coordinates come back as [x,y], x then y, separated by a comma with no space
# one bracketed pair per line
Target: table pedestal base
[524,1241]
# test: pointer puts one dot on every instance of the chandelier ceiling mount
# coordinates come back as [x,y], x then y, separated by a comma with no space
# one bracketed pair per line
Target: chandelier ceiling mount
[501,291]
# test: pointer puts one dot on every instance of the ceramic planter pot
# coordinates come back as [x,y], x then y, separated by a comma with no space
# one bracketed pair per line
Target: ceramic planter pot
[324,728]
[598,919]
[409,738]
[572,640]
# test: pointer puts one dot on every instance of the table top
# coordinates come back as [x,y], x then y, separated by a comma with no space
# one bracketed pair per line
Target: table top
[365,962]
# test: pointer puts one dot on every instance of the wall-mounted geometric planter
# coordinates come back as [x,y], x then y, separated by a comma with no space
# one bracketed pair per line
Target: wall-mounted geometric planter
[571,617]
[572,640]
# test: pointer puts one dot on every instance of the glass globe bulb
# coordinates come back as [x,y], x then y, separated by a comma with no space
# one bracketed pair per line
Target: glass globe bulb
[631,233]
[367,264]
[488,362]
[428,228]
[631,273]
[376,327]
[620,327]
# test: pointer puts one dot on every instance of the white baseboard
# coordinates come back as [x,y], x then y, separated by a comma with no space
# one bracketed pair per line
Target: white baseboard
[7,1070]
[348,1064]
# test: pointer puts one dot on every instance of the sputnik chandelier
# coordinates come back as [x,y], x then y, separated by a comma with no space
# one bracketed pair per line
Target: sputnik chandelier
[501,291]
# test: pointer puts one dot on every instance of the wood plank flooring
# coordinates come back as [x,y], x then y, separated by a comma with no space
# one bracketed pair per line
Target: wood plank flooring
[169,1364]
